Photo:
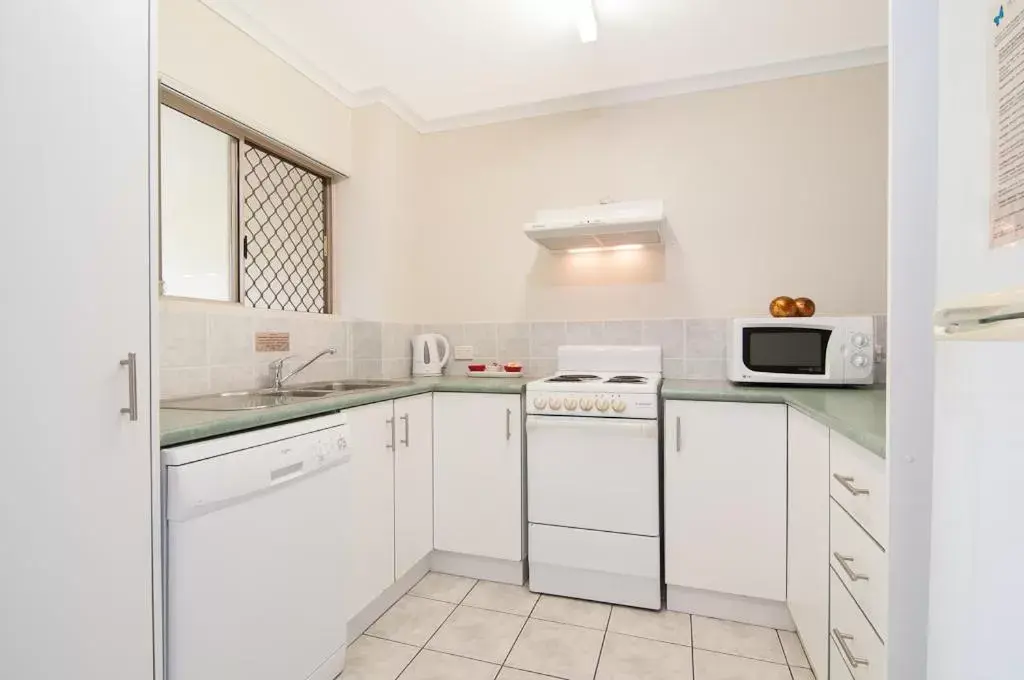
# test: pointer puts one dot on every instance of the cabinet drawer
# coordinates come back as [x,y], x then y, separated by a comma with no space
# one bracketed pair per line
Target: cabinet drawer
[857,482]
[861,565]
[852,636]
[837,669]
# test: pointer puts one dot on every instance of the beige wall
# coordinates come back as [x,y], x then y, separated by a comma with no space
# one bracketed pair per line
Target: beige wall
[770,189]
[209,59]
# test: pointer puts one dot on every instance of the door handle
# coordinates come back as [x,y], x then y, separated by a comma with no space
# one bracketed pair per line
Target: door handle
[508,424]
[844,562]
[847,483]
[132,410]
[406,440]
[390,422]
[841,639]
[679,434]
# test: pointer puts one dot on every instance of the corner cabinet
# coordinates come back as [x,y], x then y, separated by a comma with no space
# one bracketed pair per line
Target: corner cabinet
[478,475]
[725,499]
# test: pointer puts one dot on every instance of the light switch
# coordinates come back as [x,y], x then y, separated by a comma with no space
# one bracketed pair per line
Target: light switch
[463,352]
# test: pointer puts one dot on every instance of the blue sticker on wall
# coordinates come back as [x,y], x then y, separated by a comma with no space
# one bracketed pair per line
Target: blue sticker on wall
[999,17]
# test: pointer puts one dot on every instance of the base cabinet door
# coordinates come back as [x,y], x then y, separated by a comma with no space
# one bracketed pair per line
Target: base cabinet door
[414,481]
[725,497]
[807,589]
[478,475]
[371,511]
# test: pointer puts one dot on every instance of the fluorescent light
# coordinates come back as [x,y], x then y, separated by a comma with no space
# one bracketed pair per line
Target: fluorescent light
[588,23]
[632,246]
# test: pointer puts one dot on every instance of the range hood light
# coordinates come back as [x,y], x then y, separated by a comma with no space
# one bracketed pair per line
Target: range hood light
[588,23]
[631,246]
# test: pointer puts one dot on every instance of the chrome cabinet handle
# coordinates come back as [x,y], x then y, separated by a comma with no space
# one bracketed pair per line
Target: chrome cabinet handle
[508,424]
[841,639]
[406,440]
[132,410]
[390,422]
[847,483]
[844,562]
[679,434]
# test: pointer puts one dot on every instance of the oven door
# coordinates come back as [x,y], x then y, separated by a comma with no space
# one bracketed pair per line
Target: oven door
[593,473]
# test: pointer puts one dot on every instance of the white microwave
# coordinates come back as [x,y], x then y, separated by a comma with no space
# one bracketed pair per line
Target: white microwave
[804,351]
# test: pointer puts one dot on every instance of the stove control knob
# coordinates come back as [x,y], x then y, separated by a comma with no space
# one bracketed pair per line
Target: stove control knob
[540,403]
[859,360]
[586,403]
[619,405]
[602,404]
[860,340]
[570,404]
[555,404]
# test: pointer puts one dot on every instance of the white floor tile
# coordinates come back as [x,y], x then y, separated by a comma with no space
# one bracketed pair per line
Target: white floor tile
[501,597]
[411,620]
[371,658]
[665,626]
[516,674]
[574,612]
[557,649]
[802,673]
[753,642]
[712,666]
[628,658]
[430,665]
[444,587]
[793,649]
[478,634]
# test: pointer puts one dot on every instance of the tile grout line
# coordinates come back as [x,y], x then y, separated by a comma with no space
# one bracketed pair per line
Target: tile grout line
[519,634]
[604,637]
[424,645]
[693,661]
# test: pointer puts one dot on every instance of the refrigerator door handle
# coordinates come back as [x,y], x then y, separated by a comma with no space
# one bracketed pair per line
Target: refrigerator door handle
[982,322]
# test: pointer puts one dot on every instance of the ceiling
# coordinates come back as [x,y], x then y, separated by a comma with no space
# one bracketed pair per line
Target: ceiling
[448,63]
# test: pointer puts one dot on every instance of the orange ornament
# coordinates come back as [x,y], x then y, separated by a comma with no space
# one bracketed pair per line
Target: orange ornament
[804,306]
[783,306]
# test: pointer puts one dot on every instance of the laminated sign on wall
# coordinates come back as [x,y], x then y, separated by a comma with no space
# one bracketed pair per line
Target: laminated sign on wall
[1006,108]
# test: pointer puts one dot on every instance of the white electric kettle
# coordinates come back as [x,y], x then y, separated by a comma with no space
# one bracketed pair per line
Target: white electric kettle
[430,354]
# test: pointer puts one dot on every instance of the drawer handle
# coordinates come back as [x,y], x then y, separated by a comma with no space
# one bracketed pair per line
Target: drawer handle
[841,639]
[847,483]
[844,562]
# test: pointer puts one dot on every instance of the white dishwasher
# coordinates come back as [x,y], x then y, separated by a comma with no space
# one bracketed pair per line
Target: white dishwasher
[255,554]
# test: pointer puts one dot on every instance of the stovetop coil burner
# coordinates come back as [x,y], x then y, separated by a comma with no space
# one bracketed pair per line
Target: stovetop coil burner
[628,379]
[573,378]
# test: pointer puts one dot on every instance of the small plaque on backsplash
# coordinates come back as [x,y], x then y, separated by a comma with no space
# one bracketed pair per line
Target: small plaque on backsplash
[273,342]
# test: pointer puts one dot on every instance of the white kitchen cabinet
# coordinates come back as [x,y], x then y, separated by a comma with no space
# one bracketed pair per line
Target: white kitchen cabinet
[76,510]
[807,582]
[725,498]
[371,511]
[478,475]
[414,481]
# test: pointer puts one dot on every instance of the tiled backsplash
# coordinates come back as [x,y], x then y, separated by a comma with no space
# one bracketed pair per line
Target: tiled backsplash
[210,348]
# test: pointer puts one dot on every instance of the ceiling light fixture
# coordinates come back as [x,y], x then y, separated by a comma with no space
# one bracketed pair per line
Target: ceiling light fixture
[588,22]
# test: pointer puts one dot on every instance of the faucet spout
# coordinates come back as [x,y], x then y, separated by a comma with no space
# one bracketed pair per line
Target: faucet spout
[278,367]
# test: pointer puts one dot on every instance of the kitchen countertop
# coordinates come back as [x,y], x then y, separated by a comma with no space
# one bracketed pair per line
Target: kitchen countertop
[182,427]
[857,413]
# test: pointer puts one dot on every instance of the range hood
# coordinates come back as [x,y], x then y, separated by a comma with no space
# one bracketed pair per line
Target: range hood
[608,225]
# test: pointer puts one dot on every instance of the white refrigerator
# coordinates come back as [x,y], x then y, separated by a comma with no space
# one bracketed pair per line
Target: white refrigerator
[977,550]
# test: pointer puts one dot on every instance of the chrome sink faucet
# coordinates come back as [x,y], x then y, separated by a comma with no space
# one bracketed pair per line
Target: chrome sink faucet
[277,367]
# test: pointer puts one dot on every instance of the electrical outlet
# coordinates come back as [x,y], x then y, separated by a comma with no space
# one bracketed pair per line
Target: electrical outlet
[463,352]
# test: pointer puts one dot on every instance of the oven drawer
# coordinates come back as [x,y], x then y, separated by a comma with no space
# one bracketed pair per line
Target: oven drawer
[858,484]
[593,473]
[859,647]
[861,565]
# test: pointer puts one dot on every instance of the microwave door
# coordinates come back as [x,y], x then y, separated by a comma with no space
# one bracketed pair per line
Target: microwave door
[786,351]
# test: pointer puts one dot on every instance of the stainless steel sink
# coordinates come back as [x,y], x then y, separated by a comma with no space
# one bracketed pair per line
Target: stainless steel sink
[259,399]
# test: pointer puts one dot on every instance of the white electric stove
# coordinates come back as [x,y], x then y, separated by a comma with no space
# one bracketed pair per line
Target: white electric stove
[593,476]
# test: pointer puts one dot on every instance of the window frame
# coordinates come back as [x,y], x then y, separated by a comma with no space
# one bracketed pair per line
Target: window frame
[243,136]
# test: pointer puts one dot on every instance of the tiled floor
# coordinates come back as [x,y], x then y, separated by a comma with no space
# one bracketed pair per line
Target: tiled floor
[454,628]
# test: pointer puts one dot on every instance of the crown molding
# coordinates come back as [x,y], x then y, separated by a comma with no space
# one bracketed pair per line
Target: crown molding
[231,13]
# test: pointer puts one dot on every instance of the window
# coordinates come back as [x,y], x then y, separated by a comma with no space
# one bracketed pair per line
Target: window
[242,218]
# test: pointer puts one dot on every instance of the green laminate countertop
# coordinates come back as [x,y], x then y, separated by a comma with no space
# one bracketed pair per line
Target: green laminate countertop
[857,413]
[183,427]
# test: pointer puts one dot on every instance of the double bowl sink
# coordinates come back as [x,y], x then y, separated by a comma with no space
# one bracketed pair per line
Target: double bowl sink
[251,400]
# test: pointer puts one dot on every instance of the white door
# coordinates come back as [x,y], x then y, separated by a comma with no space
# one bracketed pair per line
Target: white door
[414,481]
[478,475]
[75,289]
[371,510]
[593,473]
[807,581]
[725,497]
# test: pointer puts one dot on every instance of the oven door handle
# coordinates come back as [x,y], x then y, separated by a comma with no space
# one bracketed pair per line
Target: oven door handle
[644,428]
